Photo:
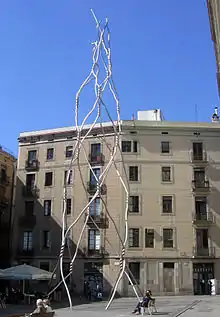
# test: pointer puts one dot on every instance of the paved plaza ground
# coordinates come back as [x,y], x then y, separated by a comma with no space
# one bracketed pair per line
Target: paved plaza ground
[190,306]
[172,306]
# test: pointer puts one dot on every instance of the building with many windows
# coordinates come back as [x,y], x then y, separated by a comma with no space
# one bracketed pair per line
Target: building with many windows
[7,174]
[173,171]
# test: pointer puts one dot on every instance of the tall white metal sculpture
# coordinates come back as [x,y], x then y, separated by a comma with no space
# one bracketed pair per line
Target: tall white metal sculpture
[101,59]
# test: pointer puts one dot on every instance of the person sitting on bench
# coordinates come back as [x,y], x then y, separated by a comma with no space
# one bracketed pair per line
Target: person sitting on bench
[40,309]
[143,303]
[152,300]
[47,306]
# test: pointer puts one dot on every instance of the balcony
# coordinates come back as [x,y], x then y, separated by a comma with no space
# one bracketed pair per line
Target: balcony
[32,165]
[200,187]
[204,252]
[96,159]
[30,191]
[25,252]
[99,220]
[199,159]
[91,188]
[101,253]
[27,221]
[4,202]
[203,220]
[4,180]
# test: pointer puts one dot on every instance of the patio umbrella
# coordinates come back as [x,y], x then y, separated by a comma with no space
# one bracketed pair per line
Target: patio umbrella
[25,272]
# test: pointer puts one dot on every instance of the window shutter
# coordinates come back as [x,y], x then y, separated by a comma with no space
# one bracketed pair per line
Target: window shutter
[174,238]
[140,238]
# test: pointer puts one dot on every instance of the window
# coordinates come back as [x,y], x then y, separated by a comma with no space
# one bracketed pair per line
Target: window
[167,202]
[95,151]
[166,174]
[134,204]
[27,241]
[67,240]
[129,146]
[3,174]
[32,156]
[94,240]
[168,238]
[48,179]
[97,172]
[199,175]
[95,207]
[201,208]
[197,151]
[133,173]
[46,239]
[165,147]
[29,208]
[133,241]
[70,178]
[30,180]
[135,146]
[68,206]
[202,240]
[134,268]
[149,238]
[126,146]
[45,266]
[50,154]
[69,151]
[47,207]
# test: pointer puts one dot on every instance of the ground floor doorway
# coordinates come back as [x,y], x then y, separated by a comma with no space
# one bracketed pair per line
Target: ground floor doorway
[168,277]
[202,273]
[93,279]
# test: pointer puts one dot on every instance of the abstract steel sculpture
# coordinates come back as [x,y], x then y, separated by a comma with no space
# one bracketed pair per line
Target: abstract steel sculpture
[101,60]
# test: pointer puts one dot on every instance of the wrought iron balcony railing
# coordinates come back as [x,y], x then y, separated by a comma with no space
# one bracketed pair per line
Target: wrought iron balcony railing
[204,252]
[21,252]
[203,219]
[200,186]
[92,187]
[199,157]
[95,253]
[30,191]
[99,220]
[32,165]
[96,159]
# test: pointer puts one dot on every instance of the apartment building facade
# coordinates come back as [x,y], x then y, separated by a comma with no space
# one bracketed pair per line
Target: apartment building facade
[173,172]
[7,174]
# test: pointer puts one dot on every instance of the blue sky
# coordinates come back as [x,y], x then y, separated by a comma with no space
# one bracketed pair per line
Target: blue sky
[163,57]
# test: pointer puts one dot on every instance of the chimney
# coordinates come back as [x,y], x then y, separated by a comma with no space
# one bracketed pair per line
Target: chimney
[215,116]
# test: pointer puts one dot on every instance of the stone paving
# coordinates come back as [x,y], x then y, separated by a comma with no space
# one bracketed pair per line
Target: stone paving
[172,306]
[167,306]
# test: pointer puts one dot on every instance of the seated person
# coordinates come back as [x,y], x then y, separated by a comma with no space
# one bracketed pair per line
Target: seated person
[40,307]
[150,295]
[152,300]
[47,306]
[143,303]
